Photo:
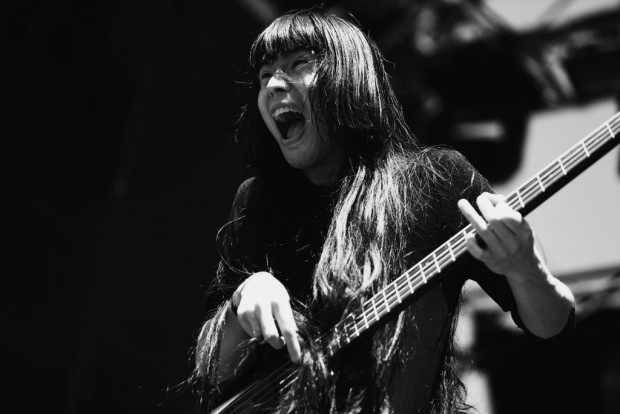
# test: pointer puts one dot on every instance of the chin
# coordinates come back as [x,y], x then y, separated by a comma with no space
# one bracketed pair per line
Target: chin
[298,164]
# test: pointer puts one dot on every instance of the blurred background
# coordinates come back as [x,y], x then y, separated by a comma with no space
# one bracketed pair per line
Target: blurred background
[118,167]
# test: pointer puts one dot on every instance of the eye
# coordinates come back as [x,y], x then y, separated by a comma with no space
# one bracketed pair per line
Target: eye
[299,62]
[264,75]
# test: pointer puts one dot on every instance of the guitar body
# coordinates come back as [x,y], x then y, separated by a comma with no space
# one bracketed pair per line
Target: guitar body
[258,389]
[239,402]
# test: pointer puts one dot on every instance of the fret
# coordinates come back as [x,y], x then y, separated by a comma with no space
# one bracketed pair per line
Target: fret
[365,319]
[337,336]
[447,253]
[330,349]
[374,306]
[562,166]
[422,272]
[451,252]
[585,149]
[573,156]
[542,187]
[528,193]
[344,333]
[387,305]
[397,294]
[436,263]
[520,199]
[411,289]
[464,231]
[549,175]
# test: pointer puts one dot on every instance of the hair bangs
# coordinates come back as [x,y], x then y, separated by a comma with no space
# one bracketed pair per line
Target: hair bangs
[287,34]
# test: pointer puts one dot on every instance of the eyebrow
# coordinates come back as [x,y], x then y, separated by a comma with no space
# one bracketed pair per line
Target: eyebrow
[266,61]
[298,52]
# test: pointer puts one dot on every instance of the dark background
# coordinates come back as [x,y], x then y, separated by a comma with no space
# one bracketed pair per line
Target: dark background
[118,167]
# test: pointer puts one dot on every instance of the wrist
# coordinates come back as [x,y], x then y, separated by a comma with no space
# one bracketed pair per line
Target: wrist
[236,297]
[533,276]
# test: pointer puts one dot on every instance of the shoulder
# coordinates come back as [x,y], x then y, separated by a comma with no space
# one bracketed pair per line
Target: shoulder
[441,170]
[246,187]
[246,193]
[454,173]
[249,188]
[446,160]
[438,178]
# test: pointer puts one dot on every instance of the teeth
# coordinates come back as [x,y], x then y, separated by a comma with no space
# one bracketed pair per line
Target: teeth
[283,110]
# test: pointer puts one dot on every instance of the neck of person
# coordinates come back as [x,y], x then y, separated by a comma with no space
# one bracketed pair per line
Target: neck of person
[325,174]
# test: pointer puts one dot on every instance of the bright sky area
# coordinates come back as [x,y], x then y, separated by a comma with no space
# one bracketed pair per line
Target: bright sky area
[579,227]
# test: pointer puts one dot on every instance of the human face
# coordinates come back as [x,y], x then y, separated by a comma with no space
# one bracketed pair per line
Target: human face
[284,104]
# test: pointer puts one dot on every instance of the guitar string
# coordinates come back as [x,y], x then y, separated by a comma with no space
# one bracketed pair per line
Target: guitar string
[260,390]
[575,153]
[567,160]
[596,139]
[530,190]
[283,374]
[549,171]
[457,249]
[375,306]
[263,388]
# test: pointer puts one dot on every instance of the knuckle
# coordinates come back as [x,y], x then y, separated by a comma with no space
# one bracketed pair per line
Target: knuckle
[281,299]
[273,340]
[269,335]
[492,221]
[243,312]
[286,328]
[511,221]
[284,293]
[290,336]
[261,275]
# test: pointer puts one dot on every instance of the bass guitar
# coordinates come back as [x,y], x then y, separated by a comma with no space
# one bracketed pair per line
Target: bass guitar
[406,288]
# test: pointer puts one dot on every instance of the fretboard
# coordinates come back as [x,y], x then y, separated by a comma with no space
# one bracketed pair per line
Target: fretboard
[378,309]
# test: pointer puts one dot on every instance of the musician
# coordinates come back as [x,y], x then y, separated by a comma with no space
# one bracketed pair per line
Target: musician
[344,199]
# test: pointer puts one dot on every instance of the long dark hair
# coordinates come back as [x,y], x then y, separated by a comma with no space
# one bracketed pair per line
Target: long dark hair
[352,92]
[378,203]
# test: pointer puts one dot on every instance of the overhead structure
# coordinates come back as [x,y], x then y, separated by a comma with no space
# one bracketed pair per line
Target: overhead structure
[467,79]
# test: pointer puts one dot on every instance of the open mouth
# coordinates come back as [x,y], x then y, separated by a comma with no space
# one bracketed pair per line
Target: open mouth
[289,122]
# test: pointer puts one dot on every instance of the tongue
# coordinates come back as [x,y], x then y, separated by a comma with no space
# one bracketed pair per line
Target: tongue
[295,128]
[290,123]
[289,117]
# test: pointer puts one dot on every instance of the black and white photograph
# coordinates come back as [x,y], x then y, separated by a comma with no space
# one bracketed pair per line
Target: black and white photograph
[336,207]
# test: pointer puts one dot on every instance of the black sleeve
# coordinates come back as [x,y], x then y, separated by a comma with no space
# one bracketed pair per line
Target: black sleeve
[466,182]
[232,248]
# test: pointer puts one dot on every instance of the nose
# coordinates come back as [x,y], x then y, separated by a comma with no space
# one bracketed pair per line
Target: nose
[279,82]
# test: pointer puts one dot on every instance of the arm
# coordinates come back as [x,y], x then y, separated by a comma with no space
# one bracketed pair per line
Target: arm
[544,303]
[263,312]
[219,352]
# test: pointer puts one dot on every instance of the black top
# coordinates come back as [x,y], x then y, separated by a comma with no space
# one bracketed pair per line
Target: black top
[282,230]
